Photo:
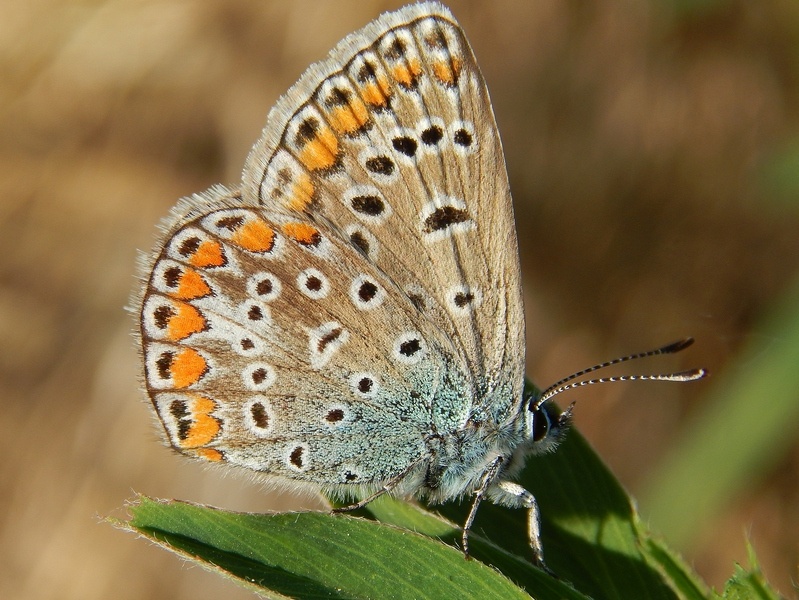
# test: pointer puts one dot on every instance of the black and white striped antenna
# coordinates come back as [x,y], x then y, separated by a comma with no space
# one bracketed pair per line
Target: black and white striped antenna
[569,383]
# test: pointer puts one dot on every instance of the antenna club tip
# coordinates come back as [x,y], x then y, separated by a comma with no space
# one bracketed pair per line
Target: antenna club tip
[677,346]
[692,374]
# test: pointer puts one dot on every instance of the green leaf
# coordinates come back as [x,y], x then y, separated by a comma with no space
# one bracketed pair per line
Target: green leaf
[517,568]
[674,569]
[316,555]
[748,585]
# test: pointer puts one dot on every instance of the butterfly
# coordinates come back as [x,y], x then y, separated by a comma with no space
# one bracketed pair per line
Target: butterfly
[349,318]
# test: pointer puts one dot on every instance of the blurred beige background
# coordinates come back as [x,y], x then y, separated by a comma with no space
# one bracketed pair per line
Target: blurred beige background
[634,134]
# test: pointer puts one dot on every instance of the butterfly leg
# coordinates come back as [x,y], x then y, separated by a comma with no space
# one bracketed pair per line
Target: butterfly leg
[387,487]
[479,494]
[516,495]
[365,501]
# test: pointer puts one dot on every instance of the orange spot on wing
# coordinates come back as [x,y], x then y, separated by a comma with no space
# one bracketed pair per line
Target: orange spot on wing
[406,74]
[376,93]
[301,193]
[209,454]
[302,233]
[447,71]
[204,427]
[191,285]
[321,152]
[186,321]
[208,254]
[255,236]
[203,405]
[187,367]
[349,118]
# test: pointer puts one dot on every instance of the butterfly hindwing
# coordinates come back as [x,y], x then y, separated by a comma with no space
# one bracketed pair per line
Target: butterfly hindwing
[244,325]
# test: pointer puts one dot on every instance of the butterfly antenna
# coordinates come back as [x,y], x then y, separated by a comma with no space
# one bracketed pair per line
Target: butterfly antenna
[564,384]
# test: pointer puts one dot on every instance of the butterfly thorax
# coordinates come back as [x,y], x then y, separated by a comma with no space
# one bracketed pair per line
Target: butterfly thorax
[458,460]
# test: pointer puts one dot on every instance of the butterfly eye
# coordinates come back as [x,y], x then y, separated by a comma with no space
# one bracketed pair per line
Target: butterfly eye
[541,423]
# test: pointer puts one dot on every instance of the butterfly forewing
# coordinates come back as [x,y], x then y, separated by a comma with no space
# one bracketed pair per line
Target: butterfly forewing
[399,152]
